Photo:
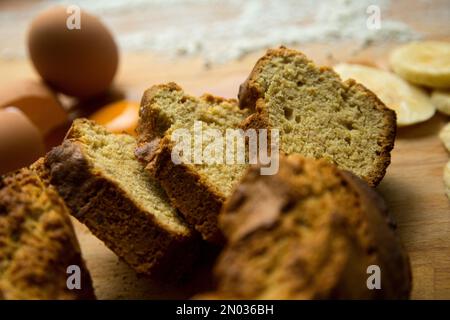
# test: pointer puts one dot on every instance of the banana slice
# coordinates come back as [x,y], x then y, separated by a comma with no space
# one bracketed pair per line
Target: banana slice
[411,104]
[441,99]
[447,179]
[444,135]
[426,63]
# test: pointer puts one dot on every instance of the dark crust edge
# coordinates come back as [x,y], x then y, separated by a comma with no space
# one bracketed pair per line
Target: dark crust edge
[388,248]
[251,96]
[102,206]
[72,247]
[199,204]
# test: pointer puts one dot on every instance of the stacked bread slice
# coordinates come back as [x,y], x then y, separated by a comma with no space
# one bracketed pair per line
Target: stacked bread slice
[197,190]
[153,210]
[109,191]
[319,115]
[316,113]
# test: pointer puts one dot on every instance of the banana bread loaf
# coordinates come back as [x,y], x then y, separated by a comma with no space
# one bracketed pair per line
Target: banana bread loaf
[312,231]
[37,242]
[109,191]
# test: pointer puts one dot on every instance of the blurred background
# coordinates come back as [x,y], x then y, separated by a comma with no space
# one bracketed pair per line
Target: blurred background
[152,35]
[212,33]
[220,31]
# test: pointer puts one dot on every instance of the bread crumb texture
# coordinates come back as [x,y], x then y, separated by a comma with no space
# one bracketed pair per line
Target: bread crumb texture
[37,242]
[166,108]
[320,116]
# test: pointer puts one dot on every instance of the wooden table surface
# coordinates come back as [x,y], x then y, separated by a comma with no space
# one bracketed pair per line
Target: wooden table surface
[413,186]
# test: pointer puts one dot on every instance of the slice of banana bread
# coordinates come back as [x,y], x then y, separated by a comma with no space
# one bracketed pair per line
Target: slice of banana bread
[37,242]
[318,115]
[109,191]
[197,190]
[312,231]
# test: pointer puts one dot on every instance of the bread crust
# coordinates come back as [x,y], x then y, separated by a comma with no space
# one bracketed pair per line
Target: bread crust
[199,202]
[251,95]
[38,242]
[288,244]
[134,234]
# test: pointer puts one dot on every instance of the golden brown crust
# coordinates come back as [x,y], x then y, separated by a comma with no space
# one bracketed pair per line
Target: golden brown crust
[38,242]
[216,100]
[251,95]
[386,141]
[132,233]
[308,232]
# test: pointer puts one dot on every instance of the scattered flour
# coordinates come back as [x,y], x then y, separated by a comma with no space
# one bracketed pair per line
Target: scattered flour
[220,31]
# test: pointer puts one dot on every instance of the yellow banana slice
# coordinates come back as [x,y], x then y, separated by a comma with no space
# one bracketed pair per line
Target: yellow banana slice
[441,99]
[410,103]
[425,62]
[447,179]
[444,135]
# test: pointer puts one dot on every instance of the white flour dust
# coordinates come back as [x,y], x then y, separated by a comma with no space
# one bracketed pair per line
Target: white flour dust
[220,31]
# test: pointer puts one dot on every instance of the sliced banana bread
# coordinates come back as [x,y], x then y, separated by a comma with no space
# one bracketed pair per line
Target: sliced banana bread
[37,242]
[197,190]
[312,231]
[318,115]
[109,191]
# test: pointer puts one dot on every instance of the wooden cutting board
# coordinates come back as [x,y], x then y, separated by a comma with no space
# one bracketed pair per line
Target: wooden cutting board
[413,187]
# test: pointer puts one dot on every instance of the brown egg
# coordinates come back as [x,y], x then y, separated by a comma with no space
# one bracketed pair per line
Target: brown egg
[78,62]
[20,141]
[37,101]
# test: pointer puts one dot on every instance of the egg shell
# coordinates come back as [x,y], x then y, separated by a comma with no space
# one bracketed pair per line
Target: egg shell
[77,62]
[37,101]
[20,141]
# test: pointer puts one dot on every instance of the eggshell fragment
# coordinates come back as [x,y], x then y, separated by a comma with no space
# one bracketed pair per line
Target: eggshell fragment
[37,101]
[20,141]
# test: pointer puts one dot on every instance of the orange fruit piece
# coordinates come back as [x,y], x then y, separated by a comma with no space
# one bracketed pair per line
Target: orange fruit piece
[118,117]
